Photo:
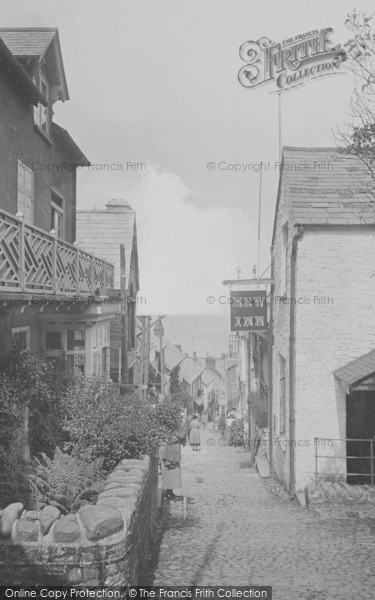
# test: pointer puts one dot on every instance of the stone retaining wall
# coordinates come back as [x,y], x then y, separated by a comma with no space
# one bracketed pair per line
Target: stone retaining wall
[105,544]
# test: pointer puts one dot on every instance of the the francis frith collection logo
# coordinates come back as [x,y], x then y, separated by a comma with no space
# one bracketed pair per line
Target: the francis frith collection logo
[291,62]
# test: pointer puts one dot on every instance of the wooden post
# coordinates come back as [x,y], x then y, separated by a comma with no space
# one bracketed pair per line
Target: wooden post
[54,261]
[161,359]
[77,290]
[148,344]
[22,269]
[92,275]
[124,323]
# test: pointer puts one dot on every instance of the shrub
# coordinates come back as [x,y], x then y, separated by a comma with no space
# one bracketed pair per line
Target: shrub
[28,417]
[112,425]
[67,481]
[237,433]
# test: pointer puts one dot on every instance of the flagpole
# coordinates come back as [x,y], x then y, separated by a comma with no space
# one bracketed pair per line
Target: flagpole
[279,112]
[259,216]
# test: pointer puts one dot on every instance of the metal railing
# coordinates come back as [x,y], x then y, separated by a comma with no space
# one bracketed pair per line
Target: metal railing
[35,261]
[369,456]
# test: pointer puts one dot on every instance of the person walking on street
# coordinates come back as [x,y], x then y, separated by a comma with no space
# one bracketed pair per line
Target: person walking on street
[170,457]
[222,425]
[204,420]
[195,436]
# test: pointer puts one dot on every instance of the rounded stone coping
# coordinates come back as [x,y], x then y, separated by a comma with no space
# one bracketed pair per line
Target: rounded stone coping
[103,523]
[337,491]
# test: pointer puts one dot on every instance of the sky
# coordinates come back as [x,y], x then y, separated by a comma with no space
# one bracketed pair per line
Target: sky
[154,83]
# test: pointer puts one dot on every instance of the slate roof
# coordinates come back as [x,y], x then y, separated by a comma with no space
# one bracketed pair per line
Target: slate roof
[64,138]
[32,41]
[207,377]
[172,356]
[190,370]
[327,187]
[102,232]
[358,369]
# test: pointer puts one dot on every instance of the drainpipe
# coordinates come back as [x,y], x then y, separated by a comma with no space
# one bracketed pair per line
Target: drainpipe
[292,420]
[270,361]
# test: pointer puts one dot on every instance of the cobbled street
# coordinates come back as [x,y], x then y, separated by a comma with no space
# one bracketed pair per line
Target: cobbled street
[235,532]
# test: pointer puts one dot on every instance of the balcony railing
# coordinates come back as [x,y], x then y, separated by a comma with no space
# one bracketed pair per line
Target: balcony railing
[34,261]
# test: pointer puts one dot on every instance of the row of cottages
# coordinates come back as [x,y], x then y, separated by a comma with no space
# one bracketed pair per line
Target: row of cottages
[212,381]
[173,358]
[112,235]
[191,382]
[323,312]
[52,292]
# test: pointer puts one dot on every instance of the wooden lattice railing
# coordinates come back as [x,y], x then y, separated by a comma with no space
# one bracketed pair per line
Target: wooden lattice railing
[32,260]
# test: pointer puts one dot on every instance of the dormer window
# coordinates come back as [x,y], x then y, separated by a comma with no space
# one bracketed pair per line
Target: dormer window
[41,113]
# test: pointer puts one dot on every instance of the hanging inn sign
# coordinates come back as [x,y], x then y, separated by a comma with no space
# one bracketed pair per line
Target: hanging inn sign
[290,63]
[248,311]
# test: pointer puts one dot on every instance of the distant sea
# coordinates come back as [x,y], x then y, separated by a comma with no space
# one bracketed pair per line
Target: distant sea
[202,333]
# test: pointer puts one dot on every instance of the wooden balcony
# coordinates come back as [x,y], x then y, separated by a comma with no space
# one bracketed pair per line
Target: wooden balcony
[36,262]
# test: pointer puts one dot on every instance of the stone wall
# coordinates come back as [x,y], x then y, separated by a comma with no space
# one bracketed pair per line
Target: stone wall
[335,323]
[106,544]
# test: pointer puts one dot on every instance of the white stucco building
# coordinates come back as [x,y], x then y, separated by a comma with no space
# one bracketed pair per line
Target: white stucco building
[323,302]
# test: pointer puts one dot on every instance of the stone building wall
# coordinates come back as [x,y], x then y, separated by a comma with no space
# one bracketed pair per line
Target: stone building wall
[281,319]
[106,544]
[335,324]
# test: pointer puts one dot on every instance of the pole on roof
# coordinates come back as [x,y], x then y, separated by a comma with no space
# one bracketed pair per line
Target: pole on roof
[280,140]
[124,325]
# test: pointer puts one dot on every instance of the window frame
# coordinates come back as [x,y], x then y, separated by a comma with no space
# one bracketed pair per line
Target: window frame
[56,198]
[21,189]
[26,329]
[40,109]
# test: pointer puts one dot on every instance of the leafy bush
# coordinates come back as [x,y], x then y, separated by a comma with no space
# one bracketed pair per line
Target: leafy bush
[112,425]
[28,417]
[67,481]
[237,433]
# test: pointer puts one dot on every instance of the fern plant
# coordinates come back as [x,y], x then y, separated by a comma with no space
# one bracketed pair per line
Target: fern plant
[67,481]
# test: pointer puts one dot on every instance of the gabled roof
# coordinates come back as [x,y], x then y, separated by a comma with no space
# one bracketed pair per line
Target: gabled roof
[207,377]
[64,139]
[28,41]
[18,76]
[172,356]
[102,232]
[358,369]
[190,370]
[41,43]
[325,186]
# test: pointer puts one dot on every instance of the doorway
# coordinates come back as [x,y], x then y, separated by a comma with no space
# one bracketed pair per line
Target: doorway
[360,425]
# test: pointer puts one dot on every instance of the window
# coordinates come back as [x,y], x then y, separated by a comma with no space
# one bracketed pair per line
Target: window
[284,261]
[76,339]
[54,340]
[25,197]
[282,395]
[21,338]
[41,113]
[57,214]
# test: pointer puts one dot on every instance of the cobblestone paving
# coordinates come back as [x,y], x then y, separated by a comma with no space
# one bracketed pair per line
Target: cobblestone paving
[235,532]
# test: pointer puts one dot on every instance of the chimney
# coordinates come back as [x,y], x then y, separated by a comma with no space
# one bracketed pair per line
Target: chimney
[210,363]
[194,356]
[223,355]
[118,205]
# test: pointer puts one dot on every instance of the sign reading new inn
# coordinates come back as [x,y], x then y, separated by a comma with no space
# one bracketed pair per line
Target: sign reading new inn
[291,62]
[248,311]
